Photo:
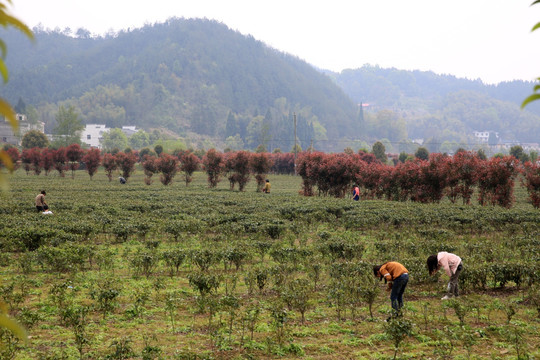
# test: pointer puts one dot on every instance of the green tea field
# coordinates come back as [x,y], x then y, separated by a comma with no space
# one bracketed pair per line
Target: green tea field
[140,271]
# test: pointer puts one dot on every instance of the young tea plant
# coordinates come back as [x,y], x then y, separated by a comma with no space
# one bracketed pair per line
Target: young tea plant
[297,295]
[105,295]
[398,329]
[369,291]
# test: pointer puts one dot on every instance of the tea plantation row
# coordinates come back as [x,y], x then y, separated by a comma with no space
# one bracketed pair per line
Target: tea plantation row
[176,272]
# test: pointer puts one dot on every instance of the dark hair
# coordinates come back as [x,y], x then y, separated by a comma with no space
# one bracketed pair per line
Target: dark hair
[376,269]
[43,192]
[432,263]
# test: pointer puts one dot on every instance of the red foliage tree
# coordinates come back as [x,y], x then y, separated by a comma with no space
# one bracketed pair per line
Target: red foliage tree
[34,154]
[59,159]
[531,180]
[368,180]
[389,186]
[237,168]
[283,163]
[47,160]
[26,159]
[15,156]
[407,177]
[307,167]
[336,173]
[433,179]
[74,154]
[462,176]
[213,165]
[109,164]
[126,163]
[168,166]
[149,166]
[92,160]
[367,157]
[260,164]
[189,163]
[228,164]
[496,181]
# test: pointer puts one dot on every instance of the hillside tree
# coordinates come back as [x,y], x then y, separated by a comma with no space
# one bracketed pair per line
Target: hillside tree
[34,138]
[114,139]
[421,153]
[139,140]
[380,152]
[68,126]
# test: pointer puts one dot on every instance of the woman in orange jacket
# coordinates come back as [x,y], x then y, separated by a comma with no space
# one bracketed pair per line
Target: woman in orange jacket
[397,277]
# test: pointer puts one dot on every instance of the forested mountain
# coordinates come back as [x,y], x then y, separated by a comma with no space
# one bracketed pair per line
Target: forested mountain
[188,76]
[440,108]
[212,86]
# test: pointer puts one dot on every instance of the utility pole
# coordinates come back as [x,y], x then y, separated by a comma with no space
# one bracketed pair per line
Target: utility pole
[295,146]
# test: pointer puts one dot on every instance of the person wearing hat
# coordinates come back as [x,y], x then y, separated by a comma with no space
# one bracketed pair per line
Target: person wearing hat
[397,277]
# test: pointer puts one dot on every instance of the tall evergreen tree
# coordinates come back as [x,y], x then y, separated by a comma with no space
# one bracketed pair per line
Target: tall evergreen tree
[360,121]
[20,108]
[231,127]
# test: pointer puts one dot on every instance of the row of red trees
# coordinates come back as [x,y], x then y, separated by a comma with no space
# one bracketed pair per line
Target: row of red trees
[73,157]
[239,165]
[236,166]
[426,181]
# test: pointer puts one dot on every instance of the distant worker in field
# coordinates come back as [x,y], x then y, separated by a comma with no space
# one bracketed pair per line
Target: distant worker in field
[355,193]
[122,180]
[452,265]
[41,204]
[267,186]
[397,277]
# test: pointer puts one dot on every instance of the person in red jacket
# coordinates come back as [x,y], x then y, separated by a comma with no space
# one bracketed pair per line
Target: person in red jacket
[397,277]
[452,265]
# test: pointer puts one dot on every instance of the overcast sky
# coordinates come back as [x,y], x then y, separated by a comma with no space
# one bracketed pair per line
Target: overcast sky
[475,39]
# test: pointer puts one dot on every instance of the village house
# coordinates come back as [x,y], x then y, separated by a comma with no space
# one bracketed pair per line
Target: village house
[8,136]
[92,134]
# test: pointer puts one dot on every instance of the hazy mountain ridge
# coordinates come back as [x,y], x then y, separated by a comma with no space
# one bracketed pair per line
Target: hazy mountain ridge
[175,75]
[444,107]
[199,77]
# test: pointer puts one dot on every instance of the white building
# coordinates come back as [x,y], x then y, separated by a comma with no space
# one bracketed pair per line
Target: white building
[92,134]
[481,136]
[9,137]
[129,130]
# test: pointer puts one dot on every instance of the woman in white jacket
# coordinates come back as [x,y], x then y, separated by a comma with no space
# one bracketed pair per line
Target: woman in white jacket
[452,265]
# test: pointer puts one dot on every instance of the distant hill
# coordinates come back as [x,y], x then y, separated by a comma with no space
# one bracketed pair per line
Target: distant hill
[442,107]
[212,86]
[190,76]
